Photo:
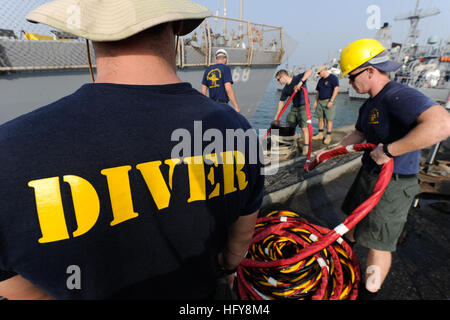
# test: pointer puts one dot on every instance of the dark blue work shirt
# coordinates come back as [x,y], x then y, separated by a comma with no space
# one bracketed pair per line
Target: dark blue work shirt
[326,86]
[288,90]
[388,117]
[117,182]
[215,78]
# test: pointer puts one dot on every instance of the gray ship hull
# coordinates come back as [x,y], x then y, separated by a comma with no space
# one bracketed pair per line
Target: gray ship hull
[250,84]
[440,95]
[26,91]
[34,73]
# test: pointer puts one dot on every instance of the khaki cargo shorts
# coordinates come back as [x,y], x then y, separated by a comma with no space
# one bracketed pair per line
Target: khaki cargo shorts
[298,116]
[323,112]
[382,227]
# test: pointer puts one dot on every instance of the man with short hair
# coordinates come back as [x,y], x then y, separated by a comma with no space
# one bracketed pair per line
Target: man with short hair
[218,80]
[327,90]
[400,121]
[297,115]
[93,203]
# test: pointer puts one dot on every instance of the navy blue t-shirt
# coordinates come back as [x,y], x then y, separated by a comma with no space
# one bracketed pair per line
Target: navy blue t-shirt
[288,90]
[109,186]
[326,86]
[215,78]
[388,117]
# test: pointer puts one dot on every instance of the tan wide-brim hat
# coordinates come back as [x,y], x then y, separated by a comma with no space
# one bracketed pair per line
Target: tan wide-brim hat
[113,20]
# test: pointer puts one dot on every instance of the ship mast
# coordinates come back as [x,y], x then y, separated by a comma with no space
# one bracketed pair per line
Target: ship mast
[224,21]
[410,45]
[241,26]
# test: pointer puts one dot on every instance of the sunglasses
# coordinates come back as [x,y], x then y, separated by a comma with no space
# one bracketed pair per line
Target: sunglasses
[352,77]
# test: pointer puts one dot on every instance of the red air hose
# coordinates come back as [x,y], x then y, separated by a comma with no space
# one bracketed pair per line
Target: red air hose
[310,129]
[332,273]
[280,246]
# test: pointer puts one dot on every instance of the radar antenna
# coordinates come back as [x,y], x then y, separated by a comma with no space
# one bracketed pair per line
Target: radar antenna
[410,45]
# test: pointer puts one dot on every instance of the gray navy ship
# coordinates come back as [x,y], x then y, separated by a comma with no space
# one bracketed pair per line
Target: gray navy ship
[425,67]
[39,65]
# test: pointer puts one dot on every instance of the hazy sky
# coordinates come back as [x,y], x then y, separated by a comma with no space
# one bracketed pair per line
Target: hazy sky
[323,27]
[320,28]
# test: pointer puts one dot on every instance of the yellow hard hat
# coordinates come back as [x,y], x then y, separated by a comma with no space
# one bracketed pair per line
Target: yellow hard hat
[357,53]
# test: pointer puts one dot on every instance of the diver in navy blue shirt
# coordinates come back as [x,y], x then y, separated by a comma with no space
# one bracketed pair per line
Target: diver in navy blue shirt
[401,121]
[218,80]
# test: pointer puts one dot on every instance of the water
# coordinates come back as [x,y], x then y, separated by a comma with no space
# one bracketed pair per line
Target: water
[346,110]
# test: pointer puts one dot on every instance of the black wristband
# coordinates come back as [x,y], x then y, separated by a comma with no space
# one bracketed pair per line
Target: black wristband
[386,151]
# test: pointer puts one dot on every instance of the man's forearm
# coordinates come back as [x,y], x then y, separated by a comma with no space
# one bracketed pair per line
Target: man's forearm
[236,250]
[204,89]
[335,93]
[18,288]
[234,101]
[232,257]
[307,74]
[353,138]
[231,96]
[280,106]
[240,237]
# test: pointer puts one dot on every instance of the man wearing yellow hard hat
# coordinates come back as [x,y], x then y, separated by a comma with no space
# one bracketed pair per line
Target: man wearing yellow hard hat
[400,121]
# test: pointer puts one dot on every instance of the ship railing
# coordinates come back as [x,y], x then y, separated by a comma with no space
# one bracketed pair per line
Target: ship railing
[420,81]
[247,43]
[22,55]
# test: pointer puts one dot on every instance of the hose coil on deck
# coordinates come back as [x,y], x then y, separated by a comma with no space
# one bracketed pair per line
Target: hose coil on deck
[332,273]
[290,258]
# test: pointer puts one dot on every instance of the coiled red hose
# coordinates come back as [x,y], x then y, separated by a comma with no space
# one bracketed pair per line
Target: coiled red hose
[324,239]
[332,273]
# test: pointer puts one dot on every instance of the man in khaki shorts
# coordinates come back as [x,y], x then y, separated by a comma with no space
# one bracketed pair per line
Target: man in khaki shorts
[327,89]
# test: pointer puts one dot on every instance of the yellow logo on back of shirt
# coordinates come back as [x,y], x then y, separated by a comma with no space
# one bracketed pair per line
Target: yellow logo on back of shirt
[214,75]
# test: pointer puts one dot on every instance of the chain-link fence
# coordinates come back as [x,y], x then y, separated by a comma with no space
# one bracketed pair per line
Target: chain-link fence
[28,46]
[246,43]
